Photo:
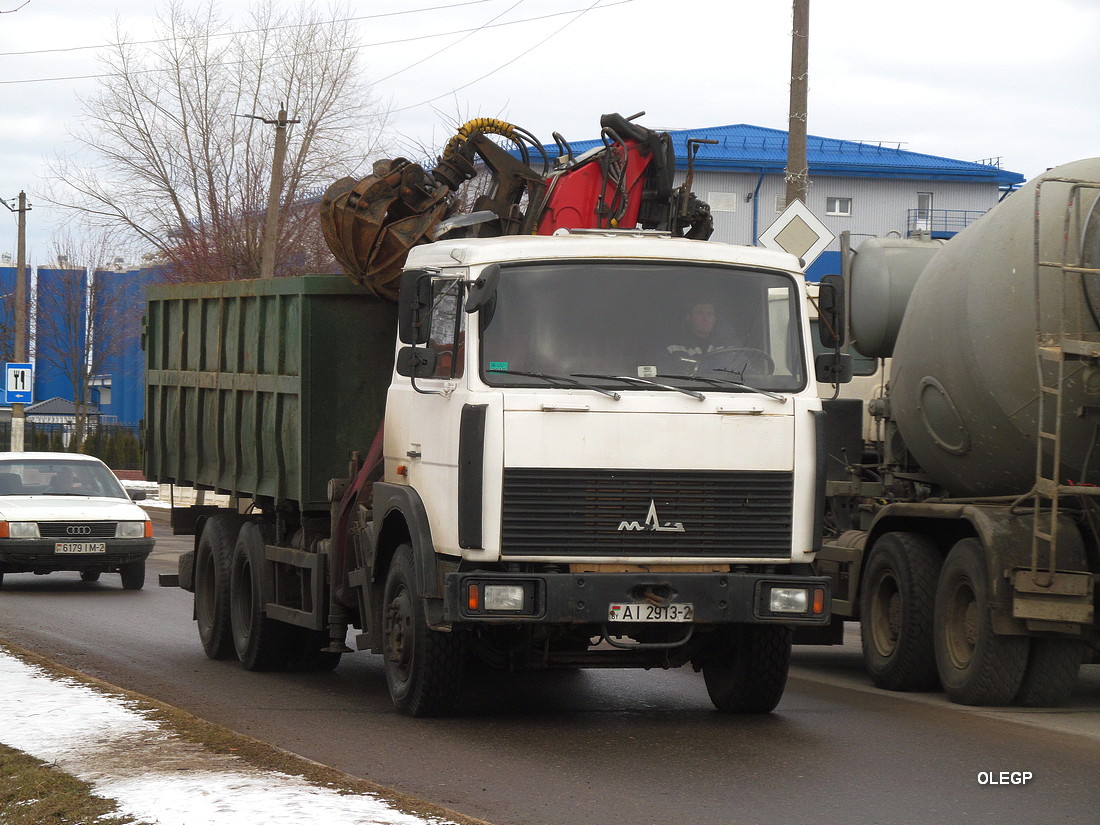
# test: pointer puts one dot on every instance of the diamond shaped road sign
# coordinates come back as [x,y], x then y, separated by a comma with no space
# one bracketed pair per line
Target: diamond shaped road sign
[798,231]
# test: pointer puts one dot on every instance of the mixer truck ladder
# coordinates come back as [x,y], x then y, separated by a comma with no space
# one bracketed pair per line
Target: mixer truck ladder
[1054,280]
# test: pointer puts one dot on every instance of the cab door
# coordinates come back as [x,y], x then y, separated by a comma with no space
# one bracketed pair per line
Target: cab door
[423,416]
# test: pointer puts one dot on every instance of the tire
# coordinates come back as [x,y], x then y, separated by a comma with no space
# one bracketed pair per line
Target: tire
[259,642]
[89,575]
[976,666]
[749,676]
[424,667]
[1052,668]
[212,557]
[133,575]
[896,606]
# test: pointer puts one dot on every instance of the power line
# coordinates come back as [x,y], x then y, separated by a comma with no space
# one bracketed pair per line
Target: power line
[350,48]
[553,34]
[62,49]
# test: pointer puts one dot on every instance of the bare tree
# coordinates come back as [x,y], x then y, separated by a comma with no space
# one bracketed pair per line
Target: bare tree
[170,153]
[86,314]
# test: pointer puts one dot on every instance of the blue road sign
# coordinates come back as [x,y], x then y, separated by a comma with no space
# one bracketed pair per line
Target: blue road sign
[19,383]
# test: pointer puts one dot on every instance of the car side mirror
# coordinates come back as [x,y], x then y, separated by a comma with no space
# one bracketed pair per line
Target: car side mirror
[830,311]
[136,495]
[833,368]
[414,306]
[483,289]
[416,362]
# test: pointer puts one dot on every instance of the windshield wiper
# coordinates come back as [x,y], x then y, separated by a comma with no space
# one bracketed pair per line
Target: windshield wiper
[561,381]
[726,382]
[630,379]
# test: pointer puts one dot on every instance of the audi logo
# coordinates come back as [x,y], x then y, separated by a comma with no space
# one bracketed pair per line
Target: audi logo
[78,530]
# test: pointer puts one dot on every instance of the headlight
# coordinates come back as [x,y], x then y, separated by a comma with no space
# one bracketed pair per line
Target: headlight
[503,596]
[789,600]
[23,529]
[132,530]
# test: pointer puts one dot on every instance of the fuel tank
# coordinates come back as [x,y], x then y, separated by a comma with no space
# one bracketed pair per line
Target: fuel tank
[964,383]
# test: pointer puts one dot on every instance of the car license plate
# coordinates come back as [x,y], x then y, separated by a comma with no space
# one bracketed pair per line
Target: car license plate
[80,547]
[632,612]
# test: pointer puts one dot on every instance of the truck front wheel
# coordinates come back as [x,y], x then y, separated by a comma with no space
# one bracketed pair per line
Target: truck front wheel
[424,667]
[212,559]
[895,612]
[976,666]
[750,674]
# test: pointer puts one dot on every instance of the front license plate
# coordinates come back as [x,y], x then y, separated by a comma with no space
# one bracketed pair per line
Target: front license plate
[650,613]
[80,547]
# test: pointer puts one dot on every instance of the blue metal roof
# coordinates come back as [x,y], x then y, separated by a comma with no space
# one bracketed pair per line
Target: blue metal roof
[745,148]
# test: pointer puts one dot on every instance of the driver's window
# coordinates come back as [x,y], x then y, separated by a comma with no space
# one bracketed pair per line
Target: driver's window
[448,327]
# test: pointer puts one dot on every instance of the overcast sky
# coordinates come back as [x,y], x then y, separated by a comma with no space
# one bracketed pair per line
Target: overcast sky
[965,79]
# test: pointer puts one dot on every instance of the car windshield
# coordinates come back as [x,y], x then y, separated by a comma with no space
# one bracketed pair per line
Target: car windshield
[678,326]
[47,476]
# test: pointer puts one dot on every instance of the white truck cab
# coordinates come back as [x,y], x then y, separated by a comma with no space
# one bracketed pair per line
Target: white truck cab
[597,469]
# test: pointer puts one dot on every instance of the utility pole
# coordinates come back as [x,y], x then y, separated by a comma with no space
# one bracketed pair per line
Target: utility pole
[798,171]
[20,349]
[271,222]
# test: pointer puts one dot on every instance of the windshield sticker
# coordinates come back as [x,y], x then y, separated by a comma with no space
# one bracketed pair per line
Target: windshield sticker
[498,366]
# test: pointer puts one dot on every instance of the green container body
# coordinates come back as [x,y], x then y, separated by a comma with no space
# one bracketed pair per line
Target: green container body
[263,388]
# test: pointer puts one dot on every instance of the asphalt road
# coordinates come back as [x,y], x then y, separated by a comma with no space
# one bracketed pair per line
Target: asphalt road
[607,746]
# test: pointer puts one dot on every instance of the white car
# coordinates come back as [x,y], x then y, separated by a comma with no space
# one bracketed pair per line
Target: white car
[64,511]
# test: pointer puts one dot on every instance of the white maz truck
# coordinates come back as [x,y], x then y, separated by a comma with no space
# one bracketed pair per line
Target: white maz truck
[559,465]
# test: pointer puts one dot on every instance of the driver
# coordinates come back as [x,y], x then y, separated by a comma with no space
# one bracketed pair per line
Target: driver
[65,481]
[697,340]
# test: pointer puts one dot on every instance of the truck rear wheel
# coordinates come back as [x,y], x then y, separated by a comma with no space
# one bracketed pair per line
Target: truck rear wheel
[261,643]
[424,667]
[750,676]
[896,604]
[1052,668]
[976,666]
[212,558]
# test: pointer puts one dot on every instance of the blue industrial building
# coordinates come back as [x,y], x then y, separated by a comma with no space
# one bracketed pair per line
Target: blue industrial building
[61,310]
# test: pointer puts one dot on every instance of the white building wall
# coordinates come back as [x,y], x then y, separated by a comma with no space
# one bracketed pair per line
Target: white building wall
[879,205]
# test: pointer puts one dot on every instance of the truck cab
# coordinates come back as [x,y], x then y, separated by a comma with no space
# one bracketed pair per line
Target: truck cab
[586,475]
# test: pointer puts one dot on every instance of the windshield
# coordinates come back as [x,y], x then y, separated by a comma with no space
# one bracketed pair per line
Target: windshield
[708,327]
[35,477]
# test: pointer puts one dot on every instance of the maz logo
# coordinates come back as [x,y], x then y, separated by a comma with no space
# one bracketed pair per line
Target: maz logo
[652,523]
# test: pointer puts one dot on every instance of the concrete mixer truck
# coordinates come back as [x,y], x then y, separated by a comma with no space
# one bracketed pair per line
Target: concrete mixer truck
[969,548]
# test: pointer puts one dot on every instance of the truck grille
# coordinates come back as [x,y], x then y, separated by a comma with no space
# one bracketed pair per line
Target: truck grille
[568,512]
[76,530]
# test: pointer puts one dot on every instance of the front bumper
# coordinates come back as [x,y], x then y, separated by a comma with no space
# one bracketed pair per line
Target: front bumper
[584,598]
[37,555]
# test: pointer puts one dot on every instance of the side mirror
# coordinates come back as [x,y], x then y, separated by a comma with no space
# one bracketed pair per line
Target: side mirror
[483,289]
[833,368]
[136,495]
[830,311]
[416,362]
[413,306]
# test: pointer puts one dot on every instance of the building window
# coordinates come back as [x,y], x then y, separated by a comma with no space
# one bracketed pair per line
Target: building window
[924,206]
[722,201]
[838,206]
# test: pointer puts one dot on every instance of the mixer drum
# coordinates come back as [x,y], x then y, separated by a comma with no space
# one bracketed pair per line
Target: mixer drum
[964,381]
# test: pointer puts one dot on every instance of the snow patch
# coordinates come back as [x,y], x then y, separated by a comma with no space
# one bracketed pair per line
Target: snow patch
[152,773]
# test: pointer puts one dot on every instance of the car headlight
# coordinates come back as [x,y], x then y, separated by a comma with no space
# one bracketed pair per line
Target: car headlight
[133,529]
[789,600]
[23,529]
